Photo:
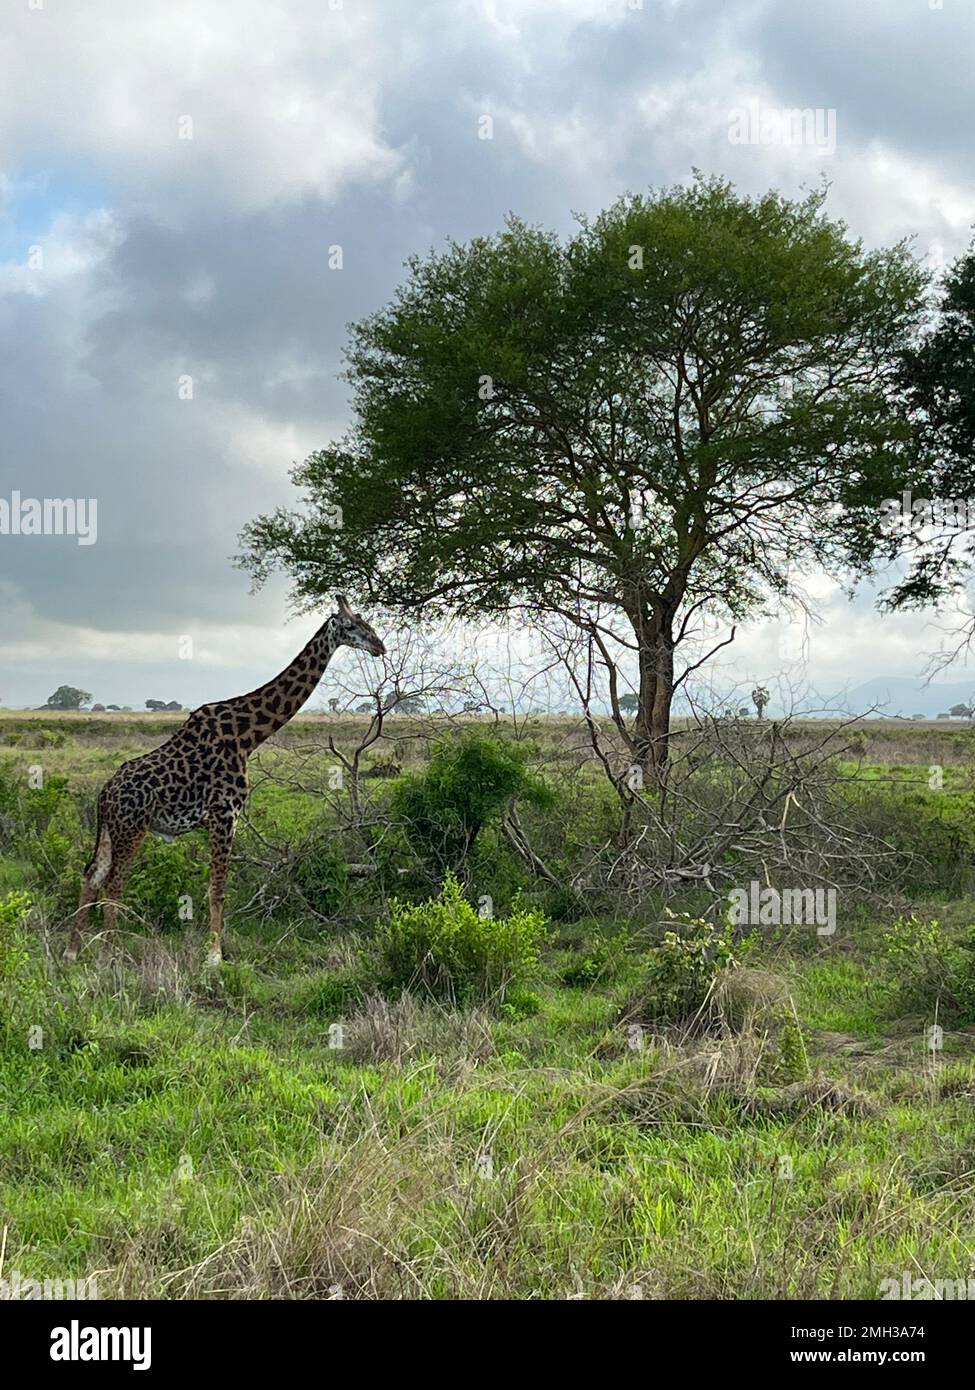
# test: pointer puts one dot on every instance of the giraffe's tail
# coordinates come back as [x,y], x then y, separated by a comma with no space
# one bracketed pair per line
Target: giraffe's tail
[101,857]
[98,838]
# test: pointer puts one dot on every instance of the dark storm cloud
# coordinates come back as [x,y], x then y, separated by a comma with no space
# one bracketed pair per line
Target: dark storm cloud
[212,260]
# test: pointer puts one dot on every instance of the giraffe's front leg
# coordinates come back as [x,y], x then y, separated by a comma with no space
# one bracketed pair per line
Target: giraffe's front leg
[221,826]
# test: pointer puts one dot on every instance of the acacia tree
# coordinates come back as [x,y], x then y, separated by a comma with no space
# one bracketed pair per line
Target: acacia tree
[935,535]
[651,419]
[68,697]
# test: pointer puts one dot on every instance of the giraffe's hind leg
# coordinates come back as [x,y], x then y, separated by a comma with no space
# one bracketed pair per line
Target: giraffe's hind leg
[94,876]
[124,851]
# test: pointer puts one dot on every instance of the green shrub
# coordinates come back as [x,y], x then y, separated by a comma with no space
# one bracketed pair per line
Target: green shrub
[521,1003]
[792,1063]
[10,789]
[40,827]
[931,832]
[164,877]
[564,905]
[56,859]
[326,995]
[933,973]
[23,981]
[317,872]
[304,876]
[14,908]
[444,946]
[467,784]
[240,982]
[681,972]
[25,809]
[39,805]
[600,959]
[589,815]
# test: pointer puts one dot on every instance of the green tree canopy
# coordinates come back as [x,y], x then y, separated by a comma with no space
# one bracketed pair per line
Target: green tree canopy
[938,377]
[658,415]
[68,697]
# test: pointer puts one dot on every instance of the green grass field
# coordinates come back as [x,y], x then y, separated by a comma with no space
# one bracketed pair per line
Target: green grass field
[294,1126]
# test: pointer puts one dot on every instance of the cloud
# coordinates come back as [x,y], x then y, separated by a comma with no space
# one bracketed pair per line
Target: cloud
[315,126]
[174,103]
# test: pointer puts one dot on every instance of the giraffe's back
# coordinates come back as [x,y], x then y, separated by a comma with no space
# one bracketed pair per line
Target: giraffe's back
[176,787]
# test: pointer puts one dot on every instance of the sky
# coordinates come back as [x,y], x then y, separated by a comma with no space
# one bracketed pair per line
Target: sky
[175,176]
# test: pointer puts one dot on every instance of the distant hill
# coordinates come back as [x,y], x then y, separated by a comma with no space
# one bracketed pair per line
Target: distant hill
[906,696]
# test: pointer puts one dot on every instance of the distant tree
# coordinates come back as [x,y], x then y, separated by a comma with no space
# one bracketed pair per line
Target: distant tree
[68,697]
[744,712]
[961,711]
[411,704]
[364,708]
[333,705]
[115,707]
[471,707]
[98,709]
[917,716]
[402,703]
[945,715]
[760,700]
[174,705]
[155,704]
[629,704]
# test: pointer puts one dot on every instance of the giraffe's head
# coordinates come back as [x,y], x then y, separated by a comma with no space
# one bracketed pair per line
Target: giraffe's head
[354,631]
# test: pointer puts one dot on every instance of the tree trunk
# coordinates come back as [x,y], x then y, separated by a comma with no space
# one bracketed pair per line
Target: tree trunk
[652,724]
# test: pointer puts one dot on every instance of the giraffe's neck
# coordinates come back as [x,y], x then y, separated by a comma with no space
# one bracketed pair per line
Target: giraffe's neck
[263,711]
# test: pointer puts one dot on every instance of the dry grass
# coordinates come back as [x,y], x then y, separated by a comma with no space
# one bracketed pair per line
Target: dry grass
[396,1031]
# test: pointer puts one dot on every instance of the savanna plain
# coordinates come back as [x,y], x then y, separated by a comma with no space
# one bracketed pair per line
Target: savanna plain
[487,1026]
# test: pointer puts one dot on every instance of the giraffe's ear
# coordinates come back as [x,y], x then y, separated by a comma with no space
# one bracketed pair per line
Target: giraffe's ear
[343,604]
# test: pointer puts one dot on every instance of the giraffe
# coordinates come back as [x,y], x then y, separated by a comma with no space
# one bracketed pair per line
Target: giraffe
[199,778]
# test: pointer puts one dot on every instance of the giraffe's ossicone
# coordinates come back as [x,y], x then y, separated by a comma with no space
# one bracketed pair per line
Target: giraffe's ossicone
[198,778]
